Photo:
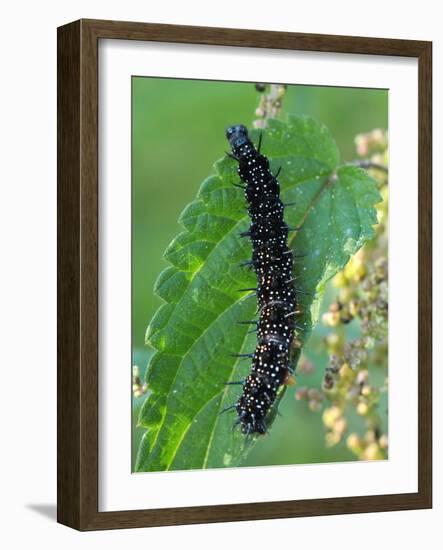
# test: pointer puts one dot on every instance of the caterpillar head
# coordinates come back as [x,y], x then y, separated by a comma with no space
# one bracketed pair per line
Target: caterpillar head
[237,135]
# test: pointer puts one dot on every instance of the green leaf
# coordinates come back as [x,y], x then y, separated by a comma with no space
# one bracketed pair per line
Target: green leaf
[195,332]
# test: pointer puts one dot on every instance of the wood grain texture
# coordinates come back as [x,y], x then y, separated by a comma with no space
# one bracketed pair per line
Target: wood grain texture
[77,170]
[425,273]
[68,276]
[254,38]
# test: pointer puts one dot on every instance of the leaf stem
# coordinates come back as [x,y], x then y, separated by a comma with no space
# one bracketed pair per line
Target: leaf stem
[369,164]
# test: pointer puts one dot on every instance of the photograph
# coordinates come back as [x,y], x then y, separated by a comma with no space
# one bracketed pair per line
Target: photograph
[259,274]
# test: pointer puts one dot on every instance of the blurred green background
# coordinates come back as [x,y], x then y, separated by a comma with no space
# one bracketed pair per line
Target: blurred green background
[177,134]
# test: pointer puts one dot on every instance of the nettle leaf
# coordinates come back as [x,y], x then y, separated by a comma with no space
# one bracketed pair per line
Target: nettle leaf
[196,332]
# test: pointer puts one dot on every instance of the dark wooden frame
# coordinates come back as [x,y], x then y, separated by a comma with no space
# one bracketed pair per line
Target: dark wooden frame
[78,285]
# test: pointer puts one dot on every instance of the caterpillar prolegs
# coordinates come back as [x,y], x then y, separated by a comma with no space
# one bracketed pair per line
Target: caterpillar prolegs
[272,261]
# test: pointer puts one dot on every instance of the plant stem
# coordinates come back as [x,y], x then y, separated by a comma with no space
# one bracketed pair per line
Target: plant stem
[368,164]
[270,105]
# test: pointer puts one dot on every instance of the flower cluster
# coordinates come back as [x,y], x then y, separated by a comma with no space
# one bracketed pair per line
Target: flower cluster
[373,143]
[355,378]
[270,103]
[138,389]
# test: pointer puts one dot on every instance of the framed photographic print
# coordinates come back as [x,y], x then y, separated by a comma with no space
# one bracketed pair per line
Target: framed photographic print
[244,274]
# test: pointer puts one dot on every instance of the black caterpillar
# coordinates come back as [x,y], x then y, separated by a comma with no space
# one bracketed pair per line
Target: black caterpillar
[272,261]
